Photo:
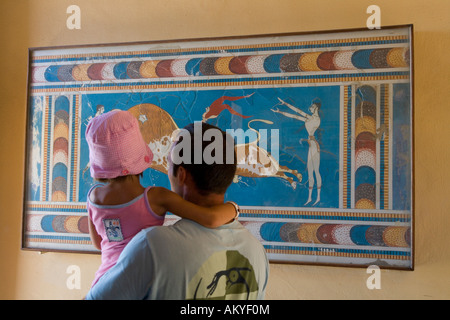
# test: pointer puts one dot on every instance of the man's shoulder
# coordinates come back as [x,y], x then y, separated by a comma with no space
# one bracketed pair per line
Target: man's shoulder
[188,228]
[168,231]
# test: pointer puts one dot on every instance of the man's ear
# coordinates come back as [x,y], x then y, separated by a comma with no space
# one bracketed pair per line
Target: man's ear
[181,175]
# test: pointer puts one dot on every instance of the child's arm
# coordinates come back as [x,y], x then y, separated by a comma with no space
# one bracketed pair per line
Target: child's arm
[162,200]
[95,237]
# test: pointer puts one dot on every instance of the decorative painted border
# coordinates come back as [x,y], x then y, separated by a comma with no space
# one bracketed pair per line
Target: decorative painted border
[231,49]
[383,58]
[333,234]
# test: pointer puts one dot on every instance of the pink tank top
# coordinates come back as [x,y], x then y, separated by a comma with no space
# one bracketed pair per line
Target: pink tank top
[118,224]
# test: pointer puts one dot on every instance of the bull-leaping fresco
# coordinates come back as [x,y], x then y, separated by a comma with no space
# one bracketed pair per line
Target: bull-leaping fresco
[322,124]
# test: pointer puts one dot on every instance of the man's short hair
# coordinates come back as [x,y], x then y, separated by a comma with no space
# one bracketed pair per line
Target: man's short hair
[213,177]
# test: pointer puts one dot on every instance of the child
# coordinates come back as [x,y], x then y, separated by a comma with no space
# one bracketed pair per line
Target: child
[122,207]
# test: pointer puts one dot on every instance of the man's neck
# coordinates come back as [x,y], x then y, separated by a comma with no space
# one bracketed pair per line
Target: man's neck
[203,200]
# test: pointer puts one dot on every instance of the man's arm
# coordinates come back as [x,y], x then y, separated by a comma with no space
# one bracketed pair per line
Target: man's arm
[129,279]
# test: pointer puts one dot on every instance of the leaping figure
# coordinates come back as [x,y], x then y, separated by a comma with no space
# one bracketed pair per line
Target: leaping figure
[218,106]
[312,122]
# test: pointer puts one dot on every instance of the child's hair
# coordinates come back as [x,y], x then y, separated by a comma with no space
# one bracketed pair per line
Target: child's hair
[116,146]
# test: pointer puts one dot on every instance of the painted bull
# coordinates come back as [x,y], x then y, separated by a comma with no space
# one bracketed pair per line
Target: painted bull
[157,126]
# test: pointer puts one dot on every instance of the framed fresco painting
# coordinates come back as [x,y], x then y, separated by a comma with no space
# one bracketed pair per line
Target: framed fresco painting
[335,109]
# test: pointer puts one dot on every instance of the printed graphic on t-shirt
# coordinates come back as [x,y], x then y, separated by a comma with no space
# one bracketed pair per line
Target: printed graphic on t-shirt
[113,229]
[224,275]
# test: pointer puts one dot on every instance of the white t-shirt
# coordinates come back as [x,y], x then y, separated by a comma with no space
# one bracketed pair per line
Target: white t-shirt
[188,261]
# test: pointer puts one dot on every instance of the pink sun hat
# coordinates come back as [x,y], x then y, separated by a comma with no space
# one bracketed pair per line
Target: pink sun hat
[116,146]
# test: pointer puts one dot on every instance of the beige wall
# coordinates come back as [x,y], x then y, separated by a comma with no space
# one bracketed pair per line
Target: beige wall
[23,24]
